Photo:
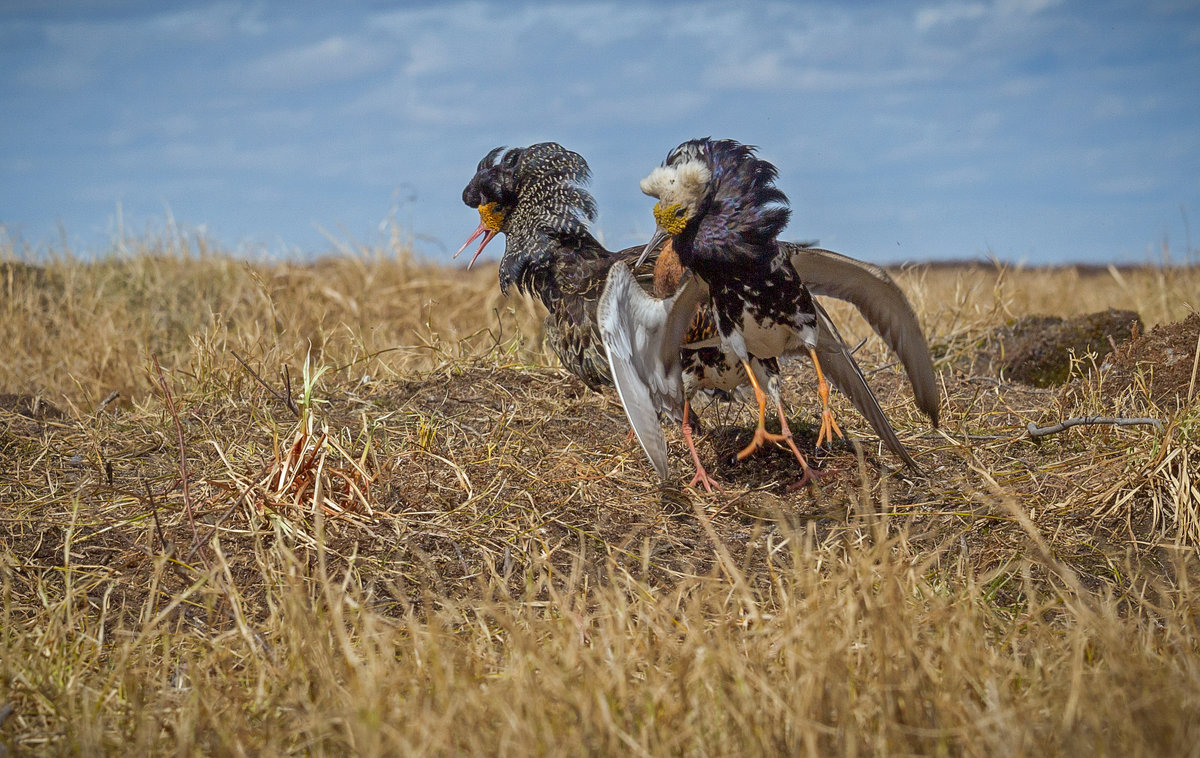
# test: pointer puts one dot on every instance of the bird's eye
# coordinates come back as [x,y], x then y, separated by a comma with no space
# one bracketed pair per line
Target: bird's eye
[680,212]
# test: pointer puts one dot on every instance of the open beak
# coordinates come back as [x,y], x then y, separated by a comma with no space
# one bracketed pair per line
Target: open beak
[488,234]
[660,234]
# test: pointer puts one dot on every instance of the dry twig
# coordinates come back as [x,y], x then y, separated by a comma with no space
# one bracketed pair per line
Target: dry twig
[1036,431]
[285,399]
[104,403]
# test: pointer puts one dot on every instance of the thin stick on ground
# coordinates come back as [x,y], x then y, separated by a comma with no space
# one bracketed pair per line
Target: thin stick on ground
[104,403]
[1036,431]
[1195,368]
[285,399]
[162,541]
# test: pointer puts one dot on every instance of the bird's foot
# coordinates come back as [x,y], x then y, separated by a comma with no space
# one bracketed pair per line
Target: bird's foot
[762,437]
[704,480]
[829,428]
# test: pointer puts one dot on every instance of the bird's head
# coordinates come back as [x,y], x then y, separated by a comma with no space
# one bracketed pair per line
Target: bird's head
[681,185]
[535,196]
[492,192]
[723,179]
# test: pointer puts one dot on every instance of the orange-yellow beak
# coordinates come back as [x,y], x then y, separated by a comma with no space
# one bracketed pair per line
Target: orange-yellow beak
[487,237]
[490,220]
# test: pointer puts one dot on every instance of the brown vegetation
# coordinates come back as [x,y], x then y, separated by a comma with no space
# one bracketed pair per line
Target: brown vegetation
[360,511]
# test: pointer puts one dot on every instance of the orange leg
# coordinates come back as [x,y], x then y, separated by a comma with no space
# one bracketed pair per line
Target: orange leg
[829,427]
[762,436]
[701,476]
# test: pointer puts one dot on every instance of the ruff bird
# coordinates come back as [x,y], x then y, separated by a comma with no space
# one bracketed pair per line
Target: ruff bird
[534,197]
[718,205]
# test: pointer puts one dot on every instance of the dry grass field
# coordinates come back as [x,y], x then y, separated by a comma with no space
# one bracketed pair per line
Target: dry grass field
[353,507]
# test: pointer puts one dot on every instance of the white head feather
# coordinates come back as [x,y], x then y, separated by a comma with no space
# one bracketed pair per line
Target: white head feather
[684,183]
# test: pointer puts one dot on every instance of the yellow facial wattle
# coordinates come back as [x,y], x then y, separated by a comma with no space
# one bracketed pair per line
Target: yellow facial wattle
[671,218]
[492,216]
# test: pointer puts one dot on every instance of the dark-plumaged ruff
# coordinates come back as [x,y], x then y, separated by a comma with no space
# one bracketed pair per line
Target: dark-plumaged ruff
[549,252]
[763,307]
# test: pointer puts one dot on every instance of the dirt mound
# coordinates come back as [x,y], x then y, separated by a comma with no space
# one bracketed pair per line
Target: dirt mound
[1166,357]
[1037,350]
[30,406]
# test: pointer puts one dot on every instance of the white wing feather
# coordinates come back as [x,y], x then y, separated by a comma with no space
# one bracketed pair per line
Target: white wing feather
[641,336]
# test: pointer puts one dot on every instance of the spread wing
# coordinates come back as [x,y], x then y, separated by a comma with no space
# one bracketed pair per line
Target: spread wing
[641,336]
[845,374]
[882,303]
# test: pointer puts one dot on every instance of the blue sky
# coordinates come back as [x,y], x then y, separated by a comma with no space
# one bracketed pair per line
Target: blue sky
[1032,130]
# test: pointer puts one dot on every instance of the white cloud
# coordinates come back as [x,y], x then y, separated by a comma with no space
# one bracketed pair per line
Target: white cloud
[772,72]
[138,126]
[1112,105]
[640,110]
[950,13]
[959,177]
[429,54]
[272,120]
[333,59]
[947,14]
[79,53]
[211,23]
[1020,86]
[1024,7]
[58,75]
[454,103]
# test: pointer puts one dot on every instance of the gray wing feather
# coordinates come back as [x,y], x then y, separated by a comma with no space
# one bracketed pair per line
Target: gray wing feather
[641,336]
[845,375]
[881,301]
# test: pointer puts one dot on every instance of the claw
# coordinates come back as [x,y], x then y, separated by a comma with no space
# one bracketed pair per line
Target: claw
[705,481]
[811,476]
[762,436]
[829,426]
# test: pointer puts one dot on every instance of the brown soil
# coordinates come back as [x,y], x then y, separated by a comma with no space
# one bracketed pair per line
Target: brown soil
[1164,360]
[1038,350]
[30,406]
